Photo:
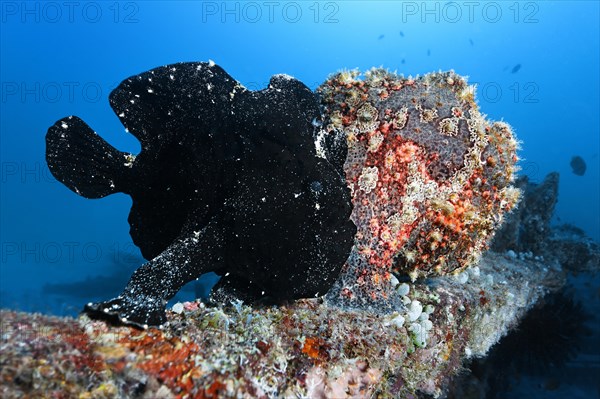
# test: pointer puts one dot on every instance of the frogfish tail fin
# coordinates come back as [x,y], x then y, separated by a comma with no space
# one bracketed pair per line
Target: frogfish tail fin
[83,161]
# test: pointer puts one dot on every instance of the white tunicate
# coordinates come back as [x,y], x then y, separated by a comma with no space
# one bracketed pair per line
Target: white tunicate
[416,307]
[424,316]
[427,325]
[475,271]
[421,339]
[406,300]
[462,277]
[415,328]
[429,309]
[511,254]
[178,308]
[403,289]
[397,320]
[415,310]
[394,281]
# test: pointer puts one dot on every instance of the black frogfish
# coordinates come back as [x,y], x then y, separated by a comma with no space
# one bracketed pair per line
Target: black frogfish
[228,180]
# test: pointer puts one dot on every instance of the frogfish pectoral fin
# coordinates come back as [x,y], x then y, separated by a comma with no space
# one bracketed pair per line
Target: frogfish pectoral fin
[125,310]
[85,162]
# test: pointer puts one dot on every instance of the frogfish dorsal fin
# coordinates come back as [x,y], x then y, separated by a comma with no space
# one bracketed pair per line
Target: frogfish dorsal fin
[173,100]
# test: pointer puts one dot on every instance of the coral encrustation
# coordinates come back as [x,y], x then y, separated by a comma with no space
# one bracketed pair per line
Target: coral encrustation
[305,349]
[430,177]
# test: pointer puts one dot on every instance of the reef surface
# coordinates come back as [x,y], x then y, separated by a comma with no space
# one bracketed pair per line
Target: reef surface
[305,349]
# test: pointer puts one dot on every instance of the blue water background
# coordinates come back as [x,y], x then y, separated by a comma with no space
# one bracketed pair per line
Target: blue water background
[59,60]
[60,250]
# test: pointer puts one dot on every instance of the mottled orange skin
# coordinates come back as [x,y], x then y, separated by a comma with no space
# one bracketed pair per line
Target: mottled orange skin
[430,176]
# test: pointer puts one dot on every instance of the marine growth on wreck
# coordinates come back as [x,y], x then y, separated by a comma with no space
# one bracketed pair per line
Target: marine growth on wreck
[430,177]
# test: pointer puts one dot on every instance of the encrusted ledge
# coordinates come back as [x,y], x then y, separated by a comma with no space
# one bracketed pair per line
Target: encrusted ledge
[305,349]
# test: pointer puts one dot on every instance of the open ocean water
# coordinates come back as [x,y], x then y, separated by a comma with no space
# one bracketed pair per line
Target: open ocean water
[535,63]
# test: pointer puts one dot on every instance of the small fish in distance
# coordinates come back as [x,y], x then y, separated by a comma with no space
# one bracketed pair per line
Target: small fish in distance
[516,68]
[578,165]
